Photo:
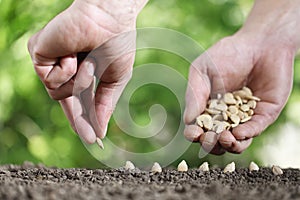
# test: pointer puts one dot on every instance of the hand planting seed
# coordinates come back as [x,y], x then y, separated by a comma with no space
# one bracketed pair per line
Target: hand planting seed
[277,170]
[182,167]
[228,111]
[156,168]
[129,165]
[253,167]
[229,168]
[100,143]
[204,167]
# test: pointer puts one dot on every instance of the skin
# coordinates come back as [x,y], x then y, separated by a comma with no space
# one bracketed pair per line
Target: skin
[87,25]
[260,55]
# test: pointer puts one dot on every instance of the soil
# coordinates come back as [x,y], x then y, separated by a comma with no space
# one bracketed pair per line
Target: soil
[30,181]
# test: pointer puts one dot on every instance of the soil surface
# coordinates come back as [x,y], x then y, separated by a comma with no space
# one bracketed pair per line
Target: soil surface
[38,182]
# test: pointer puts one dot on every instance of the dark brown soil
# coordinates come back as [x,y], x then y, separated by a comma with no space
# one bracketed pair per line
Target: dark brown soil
[38,182]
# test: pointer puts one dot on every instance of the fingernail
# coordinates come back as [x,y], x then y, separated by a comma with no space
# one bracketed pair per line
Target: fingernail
[100,143]
[90,68]
[105,131]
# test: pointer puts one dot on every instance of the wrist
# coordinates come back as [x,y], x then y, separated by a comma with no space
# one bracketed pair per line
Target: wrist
[123,12]
[274,23]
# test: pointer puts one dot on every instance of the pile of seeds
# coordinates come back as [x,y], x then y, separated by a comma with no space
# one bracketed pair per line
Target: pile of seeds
[228,111]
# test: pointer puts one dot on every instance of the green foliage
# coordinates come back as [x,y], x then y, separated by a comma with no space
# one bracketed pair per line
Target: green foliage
[33,127]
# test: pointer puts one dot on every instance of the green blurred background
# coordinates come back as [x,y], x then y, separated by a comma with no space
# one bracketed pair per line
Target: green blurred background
[33,127]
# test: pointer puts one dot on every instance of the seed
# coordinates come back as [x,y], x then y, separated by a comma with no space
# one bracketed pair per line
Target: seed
[212,103]
[253,98]
[250,112]
[238,101]
[204,167]
[253,167]
[241,93]
[229,98]
[252,104]
[205,121]
[245,119]
[245,107]
[233,109]
[182,167]
[100,143]
[230,167]
[221,107]
[247,90]
[225,116]
[277,170]
[156,168]
[218,117]
[241,114]
[212,111]
[235,119]
[129,165]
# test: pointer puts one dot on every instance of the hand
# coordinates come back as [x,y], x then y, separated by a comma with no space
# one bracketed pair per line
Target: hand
[229,65]
[108,30]
[260,55]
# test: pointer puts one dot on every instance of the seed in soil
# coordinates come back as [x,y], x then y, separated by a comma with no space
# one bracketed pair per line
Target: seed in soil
[277,170]
[204,167]
[100,143]
[129,165]
[182,166]
[156,168]
[229,168]
[253,167]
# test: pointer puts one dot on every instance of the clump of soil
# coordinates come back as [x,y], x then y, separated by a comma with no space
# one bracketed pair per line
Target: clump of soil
[38,182]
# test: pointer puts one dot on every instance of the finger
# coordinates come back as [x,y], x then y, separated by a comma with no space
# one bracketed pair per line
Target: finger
[74,110]
[231,144]
[58,74]
[193,133]
[107,95]
[84,76]
[197,93]
[209,143]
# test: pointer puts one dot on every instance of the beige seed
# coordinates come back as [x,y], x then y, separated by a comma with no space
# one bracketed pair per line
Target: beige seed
[100,143]
[229,98]
[129,165]
[277,170]
[221,107]
[204,167]
[212,111]
[245,107]
[212,103]
[205,121]
[253,167]
[251,112]
[156,168]
[241,114]
[248,91]
[233,109]
[230,167]
[218,118]
[238,100]
[253,98]
[241,93]
[225,116]
[252,104]
[182,167]
[235,119]
[245,119]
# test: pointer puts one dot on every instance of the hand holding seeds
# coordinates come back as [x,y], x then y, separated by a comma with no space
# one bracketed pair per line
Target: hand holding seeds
[225,69]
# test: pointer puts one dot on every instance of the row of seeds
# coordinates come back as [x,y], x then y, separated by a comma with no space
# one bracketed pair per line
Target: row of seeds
[183,167]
